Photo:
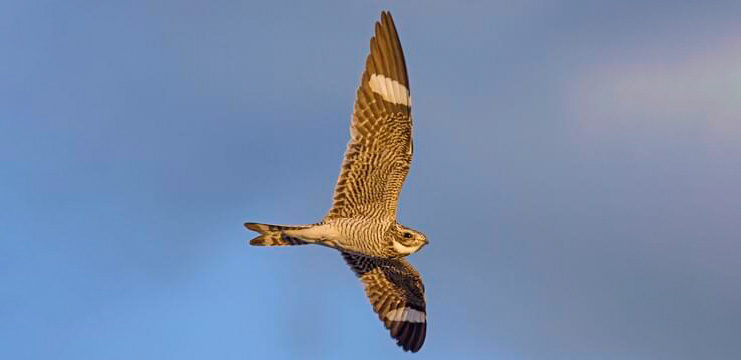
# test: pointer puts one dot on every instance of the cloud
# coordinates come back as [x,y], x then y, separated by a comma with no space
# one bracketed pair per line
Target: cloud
[690,89]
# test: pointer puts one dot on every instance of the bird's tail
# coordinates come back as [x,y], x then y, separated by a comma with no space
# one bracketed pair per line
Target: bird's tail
[275,235]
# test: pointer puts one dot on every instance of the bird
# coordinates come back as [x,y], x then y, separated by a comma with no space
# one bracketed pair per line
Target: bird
[361,223]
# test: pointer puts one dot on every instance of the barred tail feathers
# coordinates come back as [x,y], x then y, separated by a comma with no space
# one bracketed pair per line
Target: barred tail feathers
[274,235]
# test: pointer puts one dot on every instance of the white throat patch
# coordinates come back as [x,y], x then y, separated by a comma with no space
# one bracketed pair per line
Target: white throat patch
[390,90]
[403,249]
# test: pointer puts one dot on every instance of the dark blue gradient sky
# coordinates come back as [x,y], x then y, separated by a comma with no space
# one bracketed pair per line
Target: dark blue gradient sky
[577,171]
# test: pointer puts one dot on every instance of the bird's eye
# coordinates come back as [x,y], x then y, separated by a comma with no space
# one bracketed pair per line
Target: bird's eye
[408,235]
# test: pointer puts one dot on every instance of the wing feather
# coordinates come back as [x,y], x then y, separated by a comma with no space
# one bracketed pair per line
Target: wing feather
[396,292]
[379,153]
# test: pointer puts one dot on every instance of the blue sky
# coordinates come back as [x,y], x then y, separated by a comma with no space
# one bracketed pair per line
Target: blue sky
[577,170]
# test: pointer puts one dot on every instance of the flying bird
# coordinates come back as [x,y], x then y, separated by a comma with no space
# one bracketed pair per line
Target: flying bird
[361,223]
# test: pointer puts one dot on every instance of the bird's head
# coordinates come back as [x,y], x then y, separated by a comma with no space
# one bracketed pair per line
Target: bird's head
[406,241]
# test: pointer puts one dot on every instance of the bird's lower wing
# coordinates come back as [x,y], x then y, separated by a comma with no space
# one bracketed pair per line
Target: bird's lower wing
[396,293]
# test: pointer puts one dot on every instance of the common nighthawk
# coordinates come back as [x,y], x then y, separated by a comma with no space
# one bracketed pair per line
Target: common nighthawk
[362,221]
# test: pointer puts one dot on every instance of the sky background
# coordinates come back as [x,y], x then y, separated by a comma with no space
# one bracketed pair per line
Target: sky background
[577,170]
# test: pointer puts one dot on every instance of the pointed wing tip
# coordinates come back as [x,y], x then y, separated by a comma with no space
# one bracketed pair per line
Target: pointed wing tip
[386,50]
[408,326]
[386,19]
[409,336]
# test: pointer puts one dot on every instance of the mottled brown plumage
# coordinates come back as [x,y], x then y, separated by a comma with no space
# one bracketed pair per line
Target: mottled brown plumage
[393,284]
[361,223]
[379,154]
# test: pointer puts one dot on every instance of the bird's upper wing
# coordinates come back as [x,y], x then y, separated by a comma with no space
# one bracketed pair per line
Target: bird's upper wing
[379,153]
[396,292]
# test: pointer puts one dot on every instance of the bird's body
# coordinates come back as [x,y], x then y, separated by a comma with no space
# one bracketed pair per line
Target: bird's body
[359,236]
[362,221]
[368,237]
